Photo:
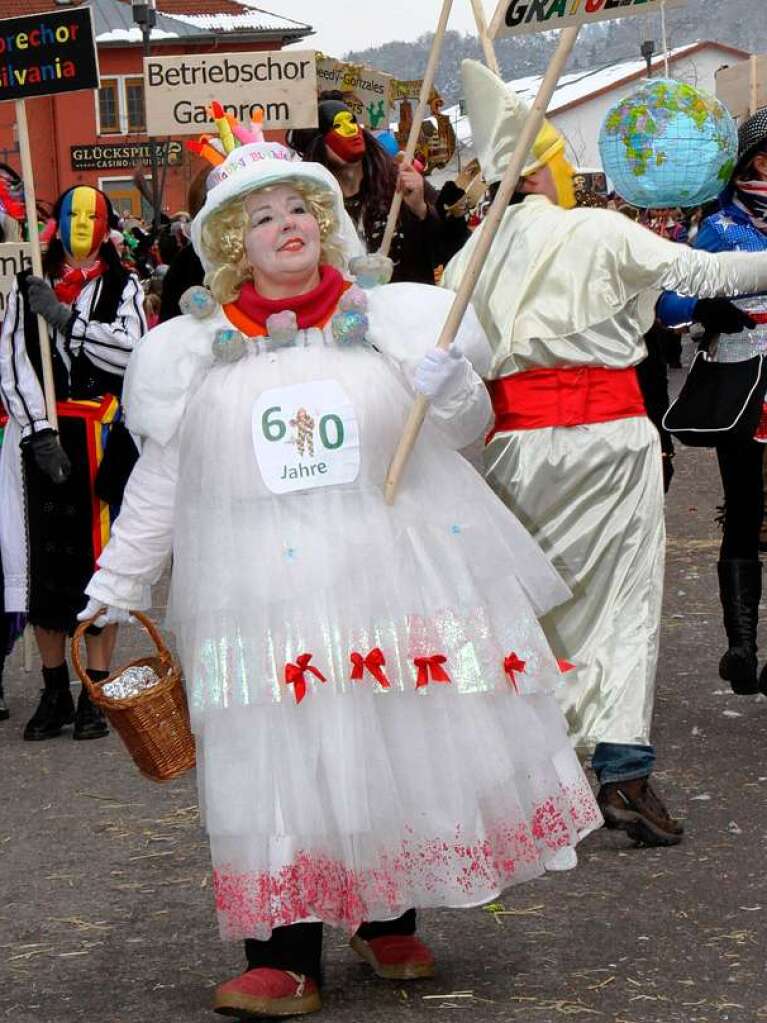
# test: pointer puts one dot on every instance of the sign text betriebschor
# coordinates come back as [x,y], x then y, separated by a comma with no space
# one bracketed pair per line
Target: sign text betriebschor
[180,89]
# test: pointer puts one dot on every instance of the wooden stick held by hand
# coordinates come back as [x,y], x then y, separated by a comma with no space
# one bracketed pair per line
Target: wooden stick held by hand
[484,36]
[488,229]
[415,128]
[27,174]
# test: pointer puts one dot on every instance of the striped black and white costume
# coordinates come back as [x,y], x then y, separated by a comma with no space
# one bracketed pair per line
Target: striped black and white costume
[89,362]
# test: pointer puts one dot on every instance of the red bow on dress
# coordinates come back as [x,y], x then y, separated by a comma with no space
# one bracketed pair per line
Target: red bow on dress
[374,662]
[565,666]
[431,665]
[512,664]
[294,675]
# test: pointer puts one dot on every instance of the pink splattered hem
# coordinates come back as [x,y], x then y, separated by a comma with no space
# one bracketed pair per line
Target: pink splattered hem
[422,872]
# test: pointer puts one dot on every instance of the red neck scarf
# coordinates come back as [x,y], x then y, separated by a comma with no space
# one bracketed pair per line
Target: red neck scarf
[312,309]
[73,280]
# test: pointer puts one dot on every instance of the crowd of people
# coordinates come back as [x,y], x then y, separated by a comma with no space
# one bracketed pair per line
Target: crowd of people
[392,703]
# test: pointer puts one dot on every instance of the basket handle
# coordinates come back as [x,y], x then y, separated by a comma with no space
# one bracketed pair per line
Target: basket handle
[77,641]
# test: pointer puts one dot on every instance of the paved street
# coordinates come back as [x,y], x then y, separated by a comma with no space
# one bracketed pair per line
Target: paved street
[106,912]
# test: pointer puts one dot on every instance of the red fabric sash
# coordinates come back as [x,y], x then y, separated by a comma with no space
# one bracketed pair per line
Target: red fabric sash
[540,398]
[311,308]
[73,280]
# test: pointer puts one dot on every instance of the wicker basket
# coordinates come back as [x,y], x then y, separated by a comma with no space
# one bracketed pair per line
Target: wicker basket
[153,724]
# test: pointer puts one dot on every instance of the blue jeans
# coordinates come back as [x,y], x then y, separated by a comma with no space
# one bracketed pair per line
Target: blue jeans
[615,761]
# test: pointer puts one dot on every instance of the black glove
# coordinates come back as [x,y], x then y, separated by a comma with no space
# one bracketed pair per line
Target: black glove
[449,195]
[49,455]
[43,301]
[668,471]
[721,316]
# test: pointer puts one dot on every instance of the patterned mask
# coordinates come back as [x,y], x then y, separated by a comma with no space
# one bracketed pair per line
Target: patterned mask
[343,136]
[83,221]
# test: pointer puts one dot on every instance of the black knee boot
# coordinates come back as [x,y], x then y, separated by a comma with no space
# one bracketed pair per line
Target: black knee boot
[4,712]
[90,723]
[56,707]
[740,589]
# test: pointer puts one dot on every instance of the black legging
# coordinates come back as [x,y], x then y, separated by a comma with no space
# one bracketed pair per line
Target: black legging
[740,466]
[298,947]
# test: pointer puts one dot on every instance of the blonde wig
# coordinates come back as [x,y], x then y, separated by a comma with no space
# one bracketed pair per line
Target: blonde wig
[223,239]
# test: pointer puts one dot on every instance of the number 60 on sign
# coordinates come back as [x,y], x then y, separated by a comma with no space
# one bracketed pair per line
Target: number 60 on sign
[306,436]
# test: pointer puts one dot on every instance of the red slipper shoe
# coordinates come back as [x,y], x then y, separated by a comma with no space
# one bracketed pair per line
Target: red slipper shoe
[396,956]
[267,992]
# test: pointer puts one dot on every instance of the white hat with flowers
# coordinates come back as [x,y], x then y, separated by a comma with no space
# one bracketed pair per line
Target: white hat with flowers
[245,162]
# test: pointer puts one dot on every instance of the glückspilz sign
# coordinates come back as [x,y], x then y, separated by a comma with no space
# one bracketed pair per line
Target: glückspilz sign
[45,54]
[515,17]
[125,156]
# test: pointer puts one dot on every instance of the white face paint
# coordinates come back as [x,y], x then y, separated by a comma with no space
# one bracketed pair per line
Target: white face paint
[282,240]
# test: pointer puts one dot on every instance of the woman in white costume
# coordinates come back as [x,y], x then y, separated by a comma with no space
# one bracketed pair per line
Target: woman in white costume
[369,686]
[565,298]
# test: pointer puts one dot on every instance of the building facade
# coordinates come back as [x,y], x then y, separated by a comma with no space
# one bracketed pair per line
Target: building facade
[99,138]
[582,99]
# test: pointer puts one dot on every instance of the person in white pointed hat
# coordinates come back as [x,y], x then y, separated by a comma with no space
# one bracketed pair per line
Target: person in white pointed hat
[565,297]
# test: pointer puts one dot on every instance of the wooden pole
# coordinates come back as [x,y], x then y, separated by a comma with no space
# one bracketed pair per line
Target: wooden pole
[415,128]
[488,230]
[753,103]
[487,43]
[37,259]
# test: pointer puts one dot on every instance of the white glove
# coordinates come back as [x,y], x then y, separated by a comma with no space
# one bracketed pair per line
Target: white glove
[439,374]
[111,616]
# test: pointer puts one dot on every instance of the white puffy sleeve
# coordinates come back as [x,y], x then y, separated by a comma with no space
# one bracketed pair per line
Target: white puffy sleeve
[711,274]
[163,373]
[658,263]
[405,323]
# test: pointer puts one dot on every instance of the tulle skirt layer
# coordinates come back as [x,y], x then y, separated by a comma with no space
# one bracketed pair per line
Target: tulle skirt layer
[358,807]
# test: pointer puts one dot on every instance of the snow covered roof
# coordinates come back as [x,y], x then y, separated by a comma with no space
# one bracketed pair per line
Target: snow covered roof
[190,20]
[113,24]
[580,86]
[231,16]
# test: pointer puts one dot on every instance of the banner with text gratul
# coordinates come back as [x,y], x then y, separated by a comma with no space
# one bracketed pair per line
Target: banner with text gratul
[517,17]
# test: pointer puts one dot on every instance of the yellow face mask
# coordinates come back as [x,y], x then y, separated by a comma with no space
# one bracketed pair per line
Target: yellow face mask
[563,172]
[549,151]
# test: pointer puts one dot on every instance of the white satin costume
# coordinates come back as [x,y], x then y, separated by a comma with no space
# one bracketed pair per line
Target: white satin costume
[570,289]
[372,794]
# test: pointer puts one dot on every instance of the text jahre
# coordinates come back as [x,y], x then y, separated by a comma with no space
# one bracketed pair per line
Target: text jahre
[301,472]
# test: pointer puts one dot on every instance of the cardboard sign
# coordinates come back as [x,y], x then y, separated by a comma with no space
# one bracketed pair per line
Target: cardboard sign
[368,92]
[306,436]
[46,54]
[516,17]
[125,156]
[179,90]
[14,257]
[743,87]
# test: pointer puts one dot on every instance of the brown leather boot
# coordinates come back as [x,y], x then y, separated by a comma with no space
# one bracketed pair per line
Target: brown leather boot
[636,808]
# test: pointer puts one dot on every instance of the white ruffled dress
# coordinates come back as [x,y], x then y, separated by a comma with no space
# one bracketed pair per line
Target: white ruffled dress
[429,765]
